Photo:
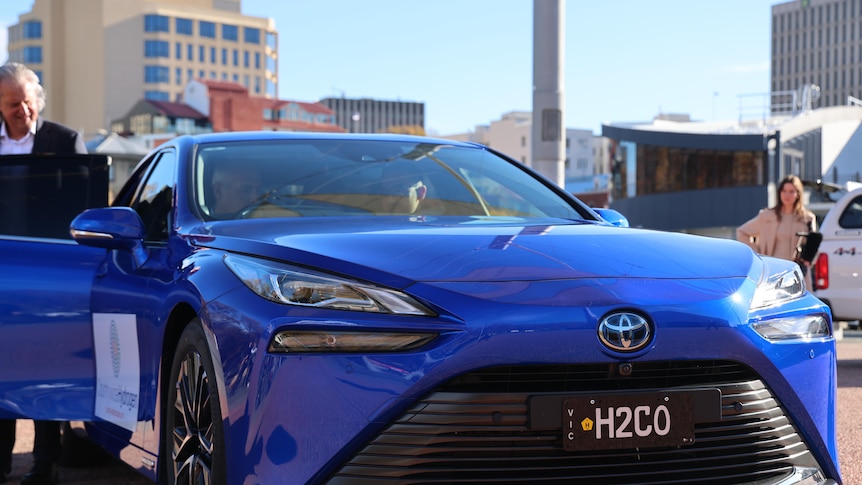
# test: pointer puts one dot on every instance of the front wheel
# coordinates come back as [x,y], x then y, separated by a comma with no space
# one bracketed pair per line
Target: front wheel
[193,433]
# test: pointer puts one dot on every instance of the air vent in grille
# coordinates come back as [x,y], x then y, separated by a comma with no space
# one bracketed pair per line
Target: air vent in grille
[474,429]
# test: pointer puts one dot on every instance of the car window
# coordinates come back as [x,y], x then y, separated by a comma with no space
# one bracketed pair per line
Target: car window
[41,194]
[155,197]
[306,178]
[851,217]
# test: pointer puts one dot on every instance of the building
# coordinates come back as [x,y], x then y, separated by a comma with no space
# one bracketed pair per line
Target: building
[149,117]
[376,116]
[816,54]
[230,107]
[709,177]
[97,58]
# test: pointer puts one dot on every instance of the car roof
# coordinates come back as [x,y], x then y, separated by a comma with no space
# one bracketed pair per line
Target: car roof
[296,135]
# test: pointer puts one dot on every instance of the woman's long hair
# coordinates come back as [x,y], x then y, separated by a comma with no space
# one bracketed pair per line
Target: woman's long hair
[798,209]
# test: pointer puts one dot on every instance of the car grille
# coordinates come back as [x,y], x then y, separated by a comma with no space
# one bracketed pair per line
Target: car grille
[475,429]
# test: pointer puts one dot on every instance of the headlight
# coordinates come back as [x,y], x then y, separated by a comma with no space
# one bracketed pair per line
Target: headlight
[292,285]
[802,327]
[773,289]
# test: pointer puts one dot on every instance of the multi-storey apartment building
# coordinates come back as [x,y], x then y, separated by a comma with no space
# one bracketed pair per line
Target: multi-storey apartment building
[98,58]
[816,54]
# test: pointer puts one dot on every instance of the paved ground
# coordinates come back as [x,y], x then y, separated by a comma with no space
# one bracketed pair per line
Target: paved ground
[111,473]
[849,419]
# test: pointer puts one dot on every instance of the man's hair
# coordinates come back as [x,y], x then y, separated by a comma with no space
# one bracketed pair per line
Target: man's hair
[19,74]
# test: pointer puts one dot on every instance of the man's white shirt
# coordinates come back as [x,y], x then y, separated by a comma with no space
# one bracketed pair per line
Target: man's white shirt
[24,146]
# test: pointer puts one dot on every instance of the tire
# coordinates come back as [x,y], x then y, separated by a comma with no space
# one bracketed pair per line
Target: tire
[193,433]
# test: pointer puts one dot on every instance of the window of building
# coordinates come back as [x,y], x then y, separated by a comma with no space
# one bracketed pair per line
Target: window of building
[257,60]
[229,32]
[251,35]
[183,26]
[190,74]
[270,63]
[155,74]
[190,52]
[270,88]
[185,126]
[245,59]
[141,124]
[156,48]
[202,53]
[206,29]
[155,95]
[246,81]
[257,84]
[212,55]
[213,75]
[202,75]
[30,54]
[179,76]
[224,57]
[156,23]
[160,124]
[235,58]
[32,29]
[271,40]
[178,51]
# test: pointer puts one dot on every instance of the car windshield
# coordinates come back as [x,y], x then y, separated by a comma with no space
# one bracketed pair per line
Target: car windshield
[311,178]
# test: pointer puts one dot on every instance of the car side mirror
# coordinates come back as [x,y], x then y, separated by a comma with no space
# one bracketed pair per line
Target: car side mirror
[612,217]
[111,228]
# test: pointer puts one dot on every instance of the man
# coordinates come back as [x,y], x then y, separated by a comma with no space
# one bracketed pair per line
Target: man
[234,188]
[22,98]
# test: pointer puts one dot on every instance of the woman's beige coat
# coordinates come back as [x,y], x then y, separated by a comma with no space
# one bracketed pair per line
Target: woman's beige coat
[760,231]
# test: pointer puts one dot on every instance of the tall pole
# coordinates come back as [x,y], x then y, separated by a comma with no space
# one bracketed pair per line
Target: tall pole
[548,131]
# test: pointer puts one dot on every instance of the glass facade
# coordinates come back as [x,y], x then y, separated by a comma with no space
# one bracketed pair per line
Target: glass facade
[648,169]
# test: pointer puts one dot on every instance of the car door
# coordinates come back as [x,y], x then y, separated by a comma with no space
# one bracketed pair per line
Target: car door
[46,350]
[127,322]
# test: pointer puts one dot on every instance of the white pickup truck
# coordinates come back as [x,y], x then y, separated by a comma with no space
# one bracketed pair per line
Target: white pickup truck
[838,266]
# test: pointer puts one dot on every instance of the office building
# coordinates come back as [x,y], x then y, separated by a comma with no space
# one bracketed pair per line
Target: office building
[816,54]
[98,58]
[375,116]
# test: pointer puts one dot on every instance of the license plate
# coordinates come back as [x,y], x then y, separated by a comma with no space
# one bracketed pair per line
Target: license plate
[638,420]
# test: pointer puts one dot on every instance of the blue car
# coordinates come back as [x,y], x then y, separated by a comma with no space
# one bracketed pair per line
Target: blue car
[262,308]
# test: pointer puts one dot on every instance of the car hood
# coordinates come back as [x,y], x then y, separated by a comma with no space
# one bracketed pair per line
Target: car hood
[480,249]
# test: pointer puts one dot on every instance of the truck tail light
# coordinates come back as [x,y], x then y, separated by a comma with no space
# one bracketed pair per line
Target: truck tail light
[821,272]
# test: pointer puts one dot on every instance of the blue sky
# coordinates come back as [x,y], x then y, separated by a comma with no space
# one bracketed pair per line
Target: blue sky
[470,61]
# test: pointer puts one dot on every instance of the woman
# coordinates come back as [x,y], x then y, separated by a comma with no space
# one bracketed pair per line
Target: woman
[775,231]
